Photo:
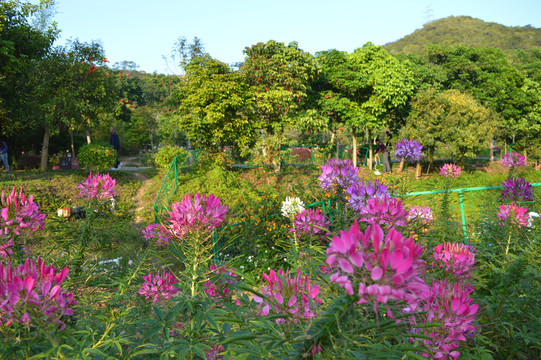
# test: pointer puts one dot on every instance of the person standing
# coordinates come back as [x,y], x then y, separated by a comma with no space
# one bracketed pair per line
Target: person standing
[4,154]
[385,156]
[115,142]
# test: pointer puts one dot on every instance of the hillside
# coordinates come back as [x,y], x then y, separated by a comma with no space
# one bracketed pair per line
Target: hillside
[465,30]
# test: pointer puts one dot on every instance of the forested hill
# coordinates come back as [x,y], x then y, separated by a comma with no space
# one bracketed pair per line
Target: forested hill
[465,30]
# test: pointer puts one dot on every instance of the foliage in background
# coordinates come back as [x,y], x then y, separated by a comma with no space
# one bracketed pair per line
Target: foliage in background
[165,155]
[96,156]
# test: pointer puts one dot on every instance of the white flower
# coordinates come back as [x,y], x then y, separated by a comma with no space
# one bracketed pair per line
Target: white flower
[533,216]
[291,207]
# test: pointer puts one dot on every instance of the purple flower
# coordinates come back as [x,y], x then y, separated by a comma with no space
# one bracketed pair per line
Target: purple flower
[338,174]
[409,150]
[197,213]
[450,170]
[516,189]
[98,187]
[157,233]
[218,286]
[159,286]
[388,212]
[359,193]
[513,159]
[422,213]
[305,221]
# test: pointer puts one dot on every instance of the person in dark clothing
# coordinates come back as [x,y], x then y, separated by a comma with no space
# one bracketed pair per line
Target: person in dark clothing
[115,142]
[385,156]
[4,154]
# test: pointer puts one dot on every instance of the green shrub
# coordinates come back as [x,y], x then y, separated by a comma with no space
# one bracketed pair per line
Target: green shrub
[166,154]
[97,156]
[29,161]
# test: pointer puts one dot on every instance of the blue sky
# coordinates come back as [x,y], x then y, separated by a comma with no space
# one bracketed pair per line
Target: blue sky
[144,31]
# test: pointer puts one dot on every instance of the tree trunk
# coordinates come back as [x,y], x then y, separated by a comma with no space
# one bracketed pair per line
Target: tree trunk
[431,159]
[370,151]
[354,154]
[331,141]
[72,146]
[45,150]
[401,166]
[491,151]
[418,170]
[88,139]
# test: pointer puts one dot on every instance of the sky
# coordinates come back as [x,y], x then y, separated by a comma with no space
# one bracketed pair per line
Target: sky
[145,31]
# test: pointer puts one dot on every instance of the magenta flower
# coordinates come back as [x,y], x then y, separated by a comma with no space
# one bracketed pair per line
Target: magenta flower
[218,285]
[159,286]
[450,170]
[360,192]
[157,233]
[19,214]
[421,213]
[215,353]
[306,220]
[516,189]
[457,259]
[450,306]
[294,297]
[513,159]
[98,187]
[176,329]
[377,268]
[388,212]
[409,150]
[338,174]
[513,213]
[31,294]
[200,213]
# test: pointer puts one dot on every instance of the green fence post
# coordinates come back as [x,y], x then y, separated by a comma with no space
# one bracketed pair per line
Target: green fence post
[463,215]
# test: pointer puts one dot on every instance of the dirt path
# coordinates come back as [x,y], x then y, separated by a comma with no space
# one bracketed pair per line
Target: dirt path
[133,165]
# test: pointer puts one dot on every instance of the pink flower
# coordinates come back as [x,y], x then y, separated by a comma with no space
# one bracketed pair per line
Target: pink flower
[449,305]
[457,259]
[388,212]
[513,159]
[218,286]
[423,214]
[98,187]
[32,291]
[159,287]
[294,297]
[513,213]
[200,213]
[377,267]
[450,170]
[157,233]
[19,214]
[306,222]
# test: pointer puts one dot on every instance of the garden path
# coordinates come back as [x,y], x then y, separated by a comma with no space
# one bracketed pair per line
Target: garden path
[142,200]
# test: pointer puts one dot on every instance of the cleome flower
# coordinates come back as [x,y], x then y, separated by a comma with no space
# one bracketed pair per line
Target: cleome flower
[19,214]
[457,259]
[450,170]
[157,233]
[31,294]
[516,189]
[218,286]
[197,213]
[449,305]
[159,286]
[293,296]
[388,212]
[376,267]
[513,159]
[420,213]
[408,150]
[513,213]
[98,187]
[306,222]
[360,192]
[291,206]
[338,174]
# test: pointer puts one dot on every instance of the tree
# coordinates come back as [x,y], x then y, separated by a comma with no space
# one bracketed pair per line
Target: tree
[280,77]
[450,119]
[215,106]
[364,88]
